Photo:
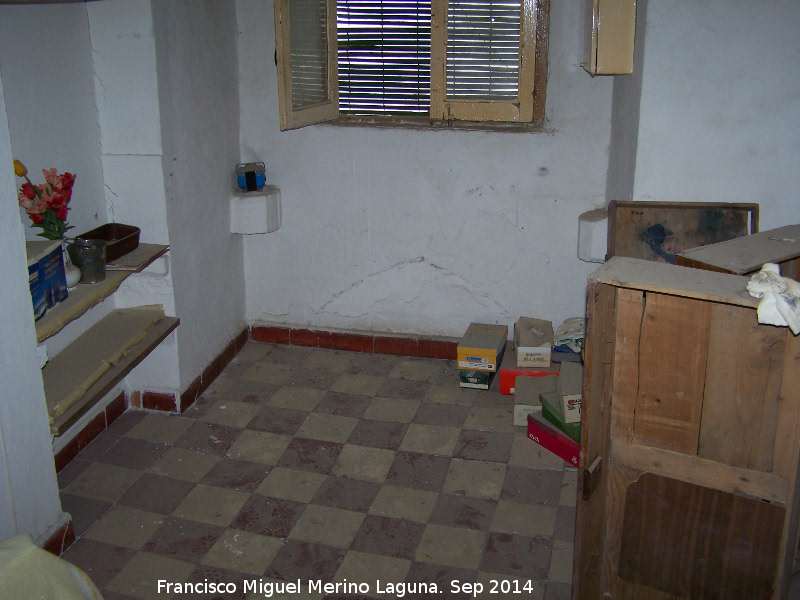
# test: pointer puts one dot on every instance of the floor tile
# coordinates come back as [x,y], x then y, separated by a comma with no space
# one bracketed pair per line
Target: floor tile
[208,438]
[233,581]
[132,453]
[100,561]
[126,527]
[263,515]
[451,415]
[243,551]
[487,418]
[532,486]
[442,576]
[372,364]
[517,555]
[270,373]
[213,505]
[430,439]
[527,453]
[155,493]
[275,419]
[524,519]
[388,536]
[296,398]
[103,482]
[237,475]
[331,428]
[345,493]
[84,511]
[451,546]
[490,446]
[186,465]
[328,360]
[309,377]
[419,471]
[361,462]
[361,567]
[504,585]
[290,484]
[403,389]
[330,526]
[259,446]
[404,503]
[160,428]
[475,478]
[463,511]
[306,562]
[361,383]
[317,456]
[343,405]
[557,591]
[230,413]
[392,409]
[378,434]
[183,539]
[416,369]
[561,562]
[139,578]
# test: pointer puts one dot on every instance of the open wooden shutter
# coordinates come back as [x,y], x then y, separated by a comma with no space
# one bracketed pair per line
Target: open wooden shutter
[305,37]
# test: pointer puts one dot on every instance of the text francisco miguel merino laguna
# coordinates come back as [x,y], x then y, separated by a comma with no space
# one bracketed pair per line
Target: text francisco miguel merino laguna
[398,589]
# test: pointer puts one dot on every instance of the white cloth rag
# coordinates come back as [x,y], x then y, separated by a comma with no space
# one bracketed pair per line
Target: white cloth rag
[780,298]
[570,333]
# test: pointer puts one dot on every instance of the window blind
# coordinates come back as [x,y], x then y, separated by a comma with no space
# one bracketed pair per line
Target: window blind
[483,49]
[384,56]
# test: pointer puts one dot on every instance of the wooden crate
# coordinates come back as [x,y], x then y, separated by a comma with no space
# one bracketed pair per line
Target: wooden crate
[689,453]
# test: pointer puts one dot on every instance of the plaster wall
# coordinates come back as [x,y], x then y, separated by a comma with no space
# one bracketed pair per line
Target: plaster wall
[29,499]
[720,105]
[198,100]
[418,231]
[47,69]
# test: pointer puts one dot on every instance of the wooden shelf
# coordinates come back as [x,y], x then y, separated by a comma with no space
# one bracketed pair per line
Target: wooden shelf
[85,296]
[86,370]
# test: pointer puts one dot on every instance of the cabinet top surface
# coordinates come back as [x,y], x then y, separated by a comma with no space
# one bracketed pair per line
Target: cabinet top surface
[671,279]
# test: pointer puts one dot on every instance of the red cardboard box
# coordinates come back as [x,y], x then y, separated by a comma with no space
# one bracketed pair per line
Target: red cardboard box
[509,370]
[547,436]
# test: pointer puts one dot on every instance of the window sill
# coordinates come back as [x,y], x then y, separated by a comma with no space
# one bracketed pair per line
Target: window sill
[429,125]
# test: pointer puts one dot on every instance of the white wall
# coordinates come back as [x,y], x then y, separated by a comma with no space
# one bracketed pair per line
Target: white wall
[422,232]
[47,68]
[29,499]
[720,105]
[199,109]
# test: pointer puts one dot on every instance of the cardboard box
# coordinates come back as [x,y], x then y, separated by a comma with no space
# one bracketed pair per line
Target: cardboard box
[533,339]
[543,433]
[51,278]
[570,391]
[526,397]
[551,410]
[509,371]
[481,347]
[478,380]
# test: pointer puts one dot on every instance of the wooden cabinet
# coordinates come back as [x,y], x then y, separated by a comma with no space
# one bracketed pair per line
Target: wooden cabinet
[689,454]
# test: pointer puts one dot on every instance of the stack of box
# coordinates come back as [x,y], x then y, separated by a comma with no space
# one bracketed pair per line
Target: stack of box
[557,426]
[479,354]
[510,372]
[527,396]
[533,339]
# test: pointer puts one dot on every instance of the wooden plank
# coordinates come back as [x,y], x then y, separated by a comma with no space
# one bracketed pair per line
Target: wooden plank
[701,471]
[75,369]
[139,259]
[735,540]
[595,417]
[670,279]
[110,378]
[789,410]
[746,255]
[628,327]
[741,397]
[672,361]
[657,231]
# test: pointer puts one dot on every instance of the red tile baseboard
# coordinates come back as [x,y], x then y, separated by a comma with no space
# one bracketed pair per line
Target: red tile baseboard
[61,539]
[402,345]
[92,429]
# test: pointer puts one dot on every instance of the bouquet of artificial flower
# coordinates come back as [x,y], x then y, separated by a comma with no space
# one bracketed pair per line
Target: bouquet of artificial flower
[46,204]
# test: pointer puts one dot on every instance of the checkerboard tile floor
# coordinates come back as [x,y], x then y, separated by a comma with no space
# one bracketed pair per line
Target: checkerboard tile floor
[309,465]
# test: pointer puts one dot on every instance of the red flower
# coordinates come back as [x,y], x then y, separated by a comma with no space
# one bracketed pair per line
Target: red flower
[27,189]
[36,218]
[67,181]
[62,212]
[56,201]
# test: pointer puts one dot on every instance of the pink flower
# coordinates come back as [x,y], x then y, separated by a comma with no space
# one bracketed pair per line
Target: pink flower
[51,176]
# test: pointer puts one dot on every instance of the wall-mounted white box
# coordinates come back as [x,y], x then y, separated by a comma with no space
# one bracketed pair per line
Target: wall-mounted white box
[256,212]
